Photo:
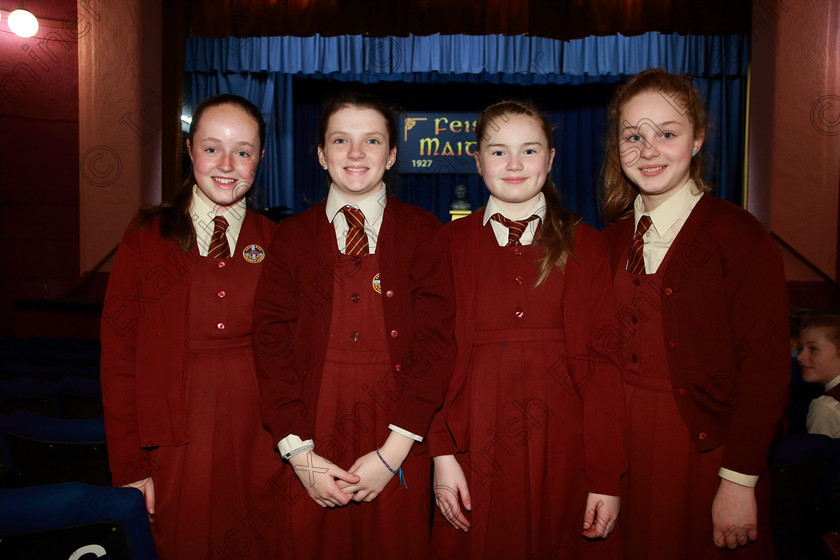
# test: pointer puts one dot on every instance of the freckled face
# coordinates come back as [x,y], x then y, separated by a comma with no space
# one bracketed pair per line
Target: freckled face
[225,153]
[355,151]
[656,142]
[818,356]
[514,163]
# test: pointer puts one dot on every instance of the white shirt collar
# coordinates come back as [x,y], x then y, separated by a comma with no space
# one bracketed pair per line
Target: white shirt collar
[492,208]
[202,215]
[666,214]
[373,206]
[833,383]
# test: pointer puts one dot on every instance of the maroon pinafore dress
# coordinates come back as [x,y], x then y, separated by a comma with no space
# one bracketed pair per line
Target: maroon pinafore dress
[357,397]
[213,494]
[525,464]
[669,487]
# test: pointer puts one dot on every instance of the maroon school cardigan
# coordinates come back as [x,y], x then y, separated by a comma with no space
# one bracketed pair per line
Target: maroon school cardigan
[724,312]
[144,342]
[293,311]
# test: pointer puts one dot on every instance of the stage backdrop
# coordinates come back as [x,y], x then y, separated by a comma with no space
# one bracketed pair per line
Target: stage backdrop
[437,142]
[456,76]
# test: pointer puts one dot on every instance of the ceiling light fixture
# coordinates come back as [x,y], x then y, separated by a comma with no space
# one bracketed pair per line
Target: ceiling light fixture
[23,23]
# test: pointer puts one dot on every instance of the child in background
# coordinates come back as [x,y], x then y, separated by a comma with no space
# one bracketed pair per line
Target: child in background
[528,447]
[819,359]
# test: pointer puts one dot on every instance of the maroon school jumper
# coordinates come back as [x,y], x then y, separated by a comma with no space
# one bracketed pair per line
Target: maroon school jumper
[525,467]
[354,403]
[669,486]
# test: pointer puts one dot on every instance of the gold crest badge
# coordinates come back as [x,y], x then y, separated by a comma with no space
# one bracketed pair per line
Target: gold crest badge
[253,254]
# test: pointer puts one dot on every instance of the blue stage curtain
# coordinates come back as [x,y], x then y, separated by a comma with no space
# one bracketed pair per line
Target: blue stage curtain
[533,57]
[262,69]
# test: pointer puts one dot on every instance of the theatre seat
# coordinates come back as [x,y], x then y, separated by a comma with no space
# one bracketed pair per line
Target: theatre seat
[28,393]
[45,450]
[73,520]
[79,397]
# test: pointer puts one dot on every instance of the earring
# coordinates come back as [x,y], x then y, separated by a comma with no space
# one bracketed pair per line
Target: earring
[694,152]
[324,166]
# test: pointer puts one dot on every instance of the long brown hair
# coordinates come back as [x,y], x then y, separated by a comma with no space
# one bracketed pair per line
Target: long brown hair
[617,191]
[175,220]
[556,235]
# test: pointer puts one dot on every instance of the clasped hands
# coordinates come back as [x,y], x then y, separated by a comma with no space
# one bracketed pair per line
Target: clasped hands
[331,486]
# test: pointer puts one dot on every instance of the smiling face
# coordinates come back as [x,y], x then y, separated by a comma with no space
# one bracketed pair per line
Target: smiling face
[225,151]
[656,142]
[818,356]
[514,161]
[356,151]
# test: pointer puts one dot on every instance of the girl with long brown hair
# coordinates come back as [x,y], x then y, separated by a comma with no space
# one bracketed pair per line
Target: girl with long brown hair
[178,380]
[527,448]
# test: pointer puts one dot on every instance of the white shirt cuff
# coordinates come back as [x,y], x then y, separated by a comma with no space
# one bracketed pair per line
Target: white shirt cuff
[405,433]
[743,479]
[291,445]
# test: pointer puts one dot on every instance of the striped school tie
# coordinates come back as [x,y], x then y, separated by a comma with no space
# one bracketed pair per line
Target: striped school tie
[219,248]
[635,257]
[515,228]
[356,242]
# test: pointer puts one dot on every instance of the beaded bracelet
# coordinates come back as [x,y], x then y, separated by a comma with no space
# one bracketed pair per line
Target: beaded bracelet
[399,471]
